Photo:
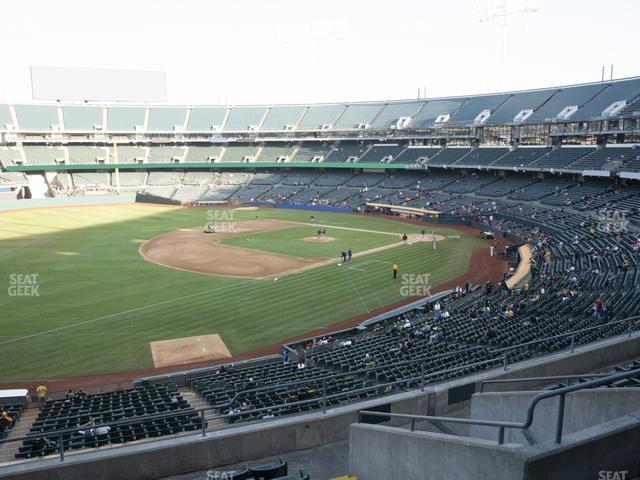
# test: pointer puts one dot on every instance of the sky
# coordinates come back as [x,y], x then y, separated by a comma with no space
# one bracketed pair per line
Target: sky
[297,51]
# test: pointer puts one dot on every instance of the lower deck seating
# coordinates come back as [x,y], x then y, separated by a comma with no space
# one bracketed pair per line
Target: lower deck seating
[13,411]
[88,412]
[576,264]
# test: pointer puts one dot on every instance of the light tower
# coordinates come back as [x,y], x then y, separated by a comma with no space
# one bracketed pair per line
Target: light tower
[494,11]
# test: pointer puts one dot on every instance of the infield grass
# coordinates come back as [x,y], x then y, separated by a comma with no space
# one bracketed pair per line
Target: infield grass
[289,240]
[99,303]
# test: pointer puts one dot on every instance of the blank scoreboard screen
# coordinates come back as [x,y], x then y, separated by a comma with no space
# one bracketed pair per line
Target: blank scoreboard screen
[98,84]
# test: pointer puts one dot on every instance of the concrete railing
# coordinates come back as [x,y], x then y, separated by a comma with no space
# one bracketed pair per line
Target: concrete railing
[319,402]
[502,425]
[322,401]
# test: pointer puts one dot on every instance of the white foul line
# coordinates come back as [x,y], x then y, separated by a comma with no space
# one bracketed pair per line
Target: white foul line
[352,229]
[358,269]
[164,302]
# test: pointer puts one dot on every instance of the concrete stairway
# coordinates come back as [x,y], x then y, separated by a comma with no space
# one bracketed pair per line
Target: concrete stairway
[198,403]
[22,428]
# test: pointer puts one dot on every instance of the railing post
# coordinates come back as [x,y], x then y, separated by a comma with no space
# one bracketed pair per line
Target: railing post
[505,361]
[204,427]
[501,436]
[61,447]
[573,342]
[413,424]
[560,418]
[324,396]
[431,402]
[422,376]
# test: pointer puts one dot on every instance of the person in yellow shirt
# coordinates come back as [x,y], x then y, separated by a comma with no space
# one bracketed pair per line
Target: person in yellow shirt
[395,271]
[41,393]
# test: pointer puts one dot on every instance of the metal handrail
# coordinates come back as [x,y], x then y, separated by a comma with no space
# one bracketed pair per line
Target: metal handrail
[363,371]
[538,379]
[421,360]
[322,400]
[324,397]
[418,360]
[502,425]
[628,320]
[504,358]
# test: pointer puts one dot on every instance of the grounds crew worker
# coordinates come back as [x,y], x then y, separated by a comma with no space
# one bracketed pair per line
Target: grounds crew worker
[395,271]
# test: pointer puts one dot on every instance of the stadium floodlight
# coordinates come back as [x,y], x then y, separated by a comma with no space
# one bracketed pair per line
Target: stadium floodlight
[487,10]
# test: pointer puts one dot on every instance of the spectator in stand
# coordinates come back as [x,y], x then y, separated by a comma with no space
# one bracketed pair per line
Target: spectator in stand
[41,393]
[42,446]
[102,434]
[369,361]
[69,396]
[79,396]
[491,333]
[598,309]
[6,422]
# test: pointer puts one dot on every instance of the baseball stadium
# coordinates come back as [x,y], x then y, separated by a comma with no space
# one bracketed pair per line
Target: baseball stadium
[437,287]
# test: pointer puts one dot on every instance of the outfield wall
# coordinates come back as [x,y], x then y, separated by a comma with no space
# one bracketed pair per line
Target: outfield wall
[146,198]
[318,208]
[66,201]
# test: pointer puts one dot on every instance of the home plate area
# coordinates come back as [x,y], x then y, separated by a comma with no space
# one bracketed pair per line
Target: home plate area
[180,351]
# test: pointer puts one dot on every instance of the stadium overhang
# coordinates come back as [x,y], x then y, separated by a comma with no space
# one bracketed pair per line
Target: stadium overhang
[405,210]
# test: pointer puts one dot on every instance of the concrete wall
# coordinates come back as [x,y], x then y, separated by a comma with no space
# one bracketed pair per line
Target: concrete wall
[606,449]
[583,409]
[246,443]
[169,457]
[383,453]
[226,447]
[585,359]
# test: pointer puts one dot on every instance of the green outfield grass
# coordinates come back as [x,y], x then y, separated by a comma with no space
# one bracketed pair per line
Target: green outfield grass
[100,303]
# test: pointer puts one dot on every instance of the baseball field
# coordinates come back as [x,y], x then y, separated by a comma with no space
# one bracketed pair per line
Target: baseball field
[88,289]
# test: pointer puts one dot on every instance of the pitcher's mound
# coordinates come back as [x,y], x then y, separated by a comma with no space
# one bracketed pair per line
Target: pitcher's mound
[318,239]
[180,351]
